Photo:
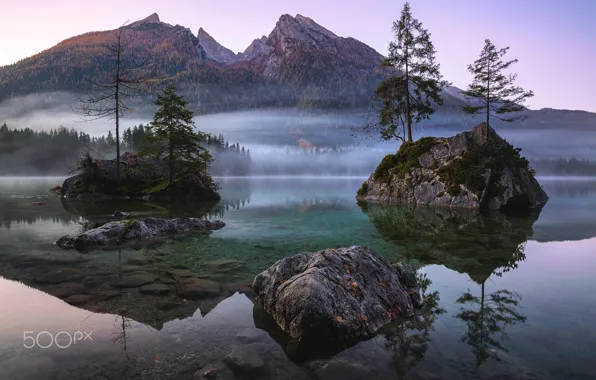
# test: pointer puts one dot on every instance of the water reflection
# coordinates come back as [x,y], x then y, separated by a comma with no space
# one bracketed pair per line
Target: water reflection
[485,317]
[408,341]
[462,240]
[479,245]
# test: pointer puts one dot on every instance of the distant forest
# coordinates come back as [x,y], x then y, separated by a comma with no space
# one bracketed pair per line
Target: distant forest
[564,166]
[26,152]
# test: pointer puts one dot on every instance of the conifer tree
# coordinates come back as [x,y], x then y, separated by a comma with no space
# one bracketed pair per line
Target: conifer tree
[172,136]
[411,95]
[492,91]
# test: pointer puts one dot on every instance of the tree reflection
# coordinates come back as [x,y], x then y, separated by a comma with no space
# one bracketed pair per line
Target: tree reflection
[408,340]
[477,244]
[487,316]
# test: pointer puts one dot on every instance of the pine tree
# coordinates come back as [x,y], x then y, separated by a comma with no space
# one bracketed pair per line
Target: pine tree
[493,91]
[172,136]
[411,95]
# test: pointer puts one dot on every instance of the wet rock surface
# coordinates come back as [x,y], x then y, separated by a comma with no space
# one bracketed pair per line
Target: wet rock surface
[118,232]
[333,294]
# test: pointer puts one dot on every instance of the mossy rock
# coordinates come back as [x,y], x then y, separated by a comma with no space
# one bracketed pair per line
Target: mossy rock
[406,158]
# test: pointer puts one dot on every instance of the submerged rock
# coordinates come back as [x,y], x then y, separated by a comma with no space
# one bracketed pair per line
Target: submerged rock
[476,169]
[118,232]
[244,361]
[334,293]
[60,275]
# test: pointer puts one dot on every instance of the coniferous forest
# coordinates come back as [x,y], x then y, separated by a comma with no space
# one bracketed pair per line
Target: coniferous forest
[26,152]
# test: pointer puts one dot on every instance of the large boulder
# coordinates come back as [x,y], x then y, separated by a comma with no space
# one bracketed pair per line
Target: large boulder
[336,294]
[118,232]
[476,169]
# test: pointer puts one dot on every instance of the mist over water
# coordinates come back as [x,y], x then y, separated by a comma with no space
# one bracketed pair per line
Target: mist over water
[276,138]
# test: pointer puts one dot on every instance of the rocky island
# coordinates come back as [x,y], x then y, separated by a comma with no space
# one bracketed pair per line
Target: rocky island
[140,178]
[477,169]
[118,232]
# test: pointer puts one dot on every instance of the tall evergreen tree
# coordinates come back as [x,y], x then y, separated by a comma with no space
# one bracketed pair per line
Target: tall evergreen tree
[492,90]
[172,136]
[412,93]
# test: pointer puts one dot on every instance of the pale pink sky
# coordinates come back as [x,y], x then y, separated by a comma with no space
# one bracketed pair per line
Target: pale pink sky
[555,40]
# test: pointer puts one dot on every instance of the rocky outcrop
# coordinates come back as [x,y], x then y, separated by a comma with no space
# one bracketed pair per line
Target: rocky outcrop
[338,293]
[190,186]
[118,232]
[476,169]
[138,178]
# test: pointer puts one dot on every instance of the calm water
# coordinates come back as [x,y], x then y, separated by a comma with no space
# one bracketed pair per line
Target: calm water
[507,298]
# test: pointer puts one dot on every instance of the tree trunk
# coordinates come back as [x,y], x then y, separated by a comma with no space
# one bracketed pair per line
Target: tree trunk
[408,115]
[171,156]
[487,100]
[117,99]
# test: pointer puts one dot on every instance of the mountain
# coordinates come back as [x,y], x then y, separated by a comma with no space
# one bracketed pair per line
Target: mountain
[299,63]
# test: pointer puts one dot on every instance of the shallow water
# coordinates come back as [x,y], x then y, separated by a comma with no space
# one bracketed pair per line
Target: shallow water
[507,297]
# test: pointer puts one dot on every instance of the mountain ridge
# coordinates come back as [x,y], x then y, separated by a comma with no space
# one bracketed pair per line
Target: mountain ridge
[300,64]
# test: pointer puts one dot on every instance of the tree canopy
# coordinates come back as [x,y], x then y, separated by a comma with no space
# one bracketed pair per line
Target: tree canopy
[172,137]
[412,93]
[493,92]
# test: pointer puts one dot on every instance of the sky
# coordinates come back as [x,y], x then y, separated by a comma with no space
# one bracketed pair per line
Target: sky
[554,40]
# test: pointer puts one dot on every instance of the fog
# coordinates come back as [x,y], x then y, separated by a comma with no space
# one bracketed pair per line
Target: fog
[276,137]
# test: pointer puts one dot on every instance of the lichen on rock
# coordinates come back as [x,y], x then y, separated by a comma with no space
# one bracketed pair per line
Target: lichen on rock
[336,294]
[476,169]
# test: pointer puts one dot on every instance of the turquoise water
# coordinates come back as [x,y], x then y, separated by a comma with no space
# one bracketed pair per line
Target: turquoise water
[507,297]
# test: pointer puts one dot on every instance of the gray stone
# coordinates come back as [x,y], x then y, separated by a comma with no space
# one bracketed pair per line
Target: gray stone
[251,335]
[67,289]
[218,371]
[137,261]
[117,232]
[60,275]
[193,288]
[244,361]
[335,293]
[77,299]
[135,279]
[155,289]
[104,295]
[426,160]
[167,280]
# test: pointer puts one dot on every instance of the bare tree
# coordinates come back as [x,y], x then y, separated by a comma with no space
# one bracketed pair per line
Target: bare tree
[106,97]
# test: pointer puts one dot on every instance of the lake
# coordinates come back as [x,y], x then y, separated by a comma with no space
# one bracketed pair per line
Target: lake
[505,297]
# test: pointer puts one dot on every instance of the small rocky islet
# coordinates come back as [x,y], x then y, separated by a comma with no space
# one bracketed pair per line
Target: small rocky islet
[118,232]
[476,170]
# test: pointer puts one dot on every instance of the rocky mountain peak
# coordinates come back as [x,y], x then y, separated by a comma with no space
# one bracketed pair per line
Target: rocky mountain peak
[214,50]
[152,18]
[300,28]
